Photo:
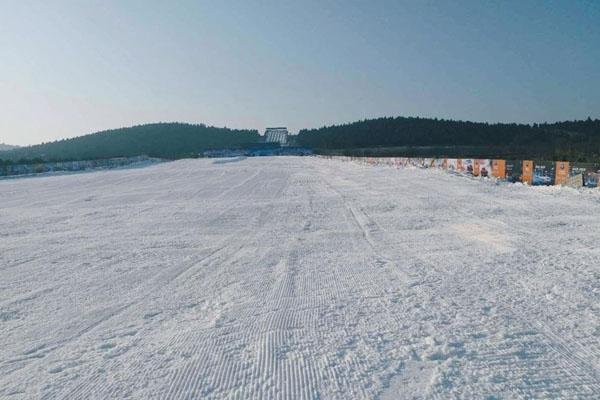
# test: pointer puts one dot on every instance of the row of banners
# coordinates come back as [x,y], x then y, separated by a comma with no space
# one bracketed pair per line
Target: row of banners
[526,171]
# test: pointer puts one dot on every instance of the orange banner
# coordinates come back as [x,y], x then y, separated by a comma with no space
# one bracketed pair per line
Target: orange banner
[562,172]
[499,168]
[527,176]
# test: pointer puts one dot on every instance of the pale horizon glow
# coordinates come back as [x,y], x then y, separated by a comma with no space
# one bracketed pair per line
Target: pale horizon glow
[71,68]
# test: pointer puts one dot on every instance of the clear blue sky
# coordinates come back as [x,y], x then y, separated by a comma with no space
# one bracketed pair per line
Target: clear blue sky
[73,67]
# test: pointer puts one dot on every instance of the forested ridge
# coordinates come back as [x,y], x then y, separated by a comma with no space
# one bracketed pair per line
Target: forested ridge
[164,140]
[388,136]
[5,147]
[569,139]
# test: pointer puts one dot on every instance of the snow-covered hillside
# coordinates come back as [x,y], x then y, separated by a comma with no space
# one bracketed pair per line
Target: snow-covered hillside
[296,278]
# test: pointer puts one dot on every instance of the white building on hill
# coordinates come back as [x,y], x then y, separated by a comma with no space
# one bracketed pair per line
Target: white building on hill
[277,135]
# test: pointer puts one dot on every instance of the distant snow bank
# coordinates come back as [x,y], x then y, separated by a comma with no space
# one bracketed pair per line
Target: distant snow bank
[12,171]
[229,160]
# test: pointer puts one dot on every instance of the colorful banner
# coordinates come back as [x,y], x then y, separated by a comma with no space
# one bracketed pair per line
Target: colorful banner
[476,168]
[527,172]
[543,174]
[468,165]
[591,179]
[459,165]
[499,169]
[452,164]
[589,173]
[513,170]
[562,172]
[485,168]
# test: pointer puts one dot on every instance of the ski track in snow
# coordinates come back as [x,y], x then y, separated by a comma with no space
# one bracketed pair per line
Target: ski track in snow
[296,278]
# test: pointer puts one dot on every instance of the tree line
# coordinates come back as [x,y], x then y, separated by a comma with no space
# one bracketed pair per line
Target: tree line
[399,136]
[163,140]
[573,140]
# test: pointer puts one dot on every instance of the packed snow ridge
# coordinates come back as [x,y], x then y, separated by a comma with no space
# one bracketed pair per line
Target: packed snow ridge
[296,278]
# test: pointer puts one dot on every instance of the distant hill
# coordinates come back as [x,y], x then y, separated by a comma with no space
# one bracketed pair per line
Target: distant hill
[6,147]
[165,140]
[574,140]
[399,136]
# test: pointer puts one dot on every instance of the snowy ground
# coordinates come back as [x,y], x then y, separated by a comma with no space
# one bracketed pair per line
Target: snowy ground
[292,278]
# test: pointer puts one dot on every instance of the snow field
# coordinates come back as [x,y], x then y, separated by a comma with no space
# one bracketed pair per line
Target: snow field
[296,278]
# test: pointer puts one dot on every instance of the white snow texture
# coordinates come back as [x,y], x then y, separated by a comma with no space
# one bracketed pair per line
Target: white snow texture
[296,278]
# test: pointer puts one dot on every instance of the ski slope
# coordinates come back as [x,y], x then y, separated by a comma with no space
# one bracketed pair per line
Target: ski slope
[296,278]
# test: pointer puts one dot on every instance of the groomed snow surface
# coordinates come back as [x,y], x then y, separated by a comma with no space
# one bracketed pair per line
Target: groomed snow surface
[296,278]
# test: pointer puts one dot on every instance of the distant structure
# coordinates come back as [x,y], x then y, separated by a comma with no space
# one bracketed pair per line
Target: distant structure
[277,135]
